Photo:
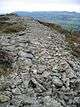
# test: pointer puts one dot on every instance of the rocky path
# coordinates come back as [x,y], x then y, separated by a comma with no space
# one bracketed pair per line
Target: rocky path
[45,73]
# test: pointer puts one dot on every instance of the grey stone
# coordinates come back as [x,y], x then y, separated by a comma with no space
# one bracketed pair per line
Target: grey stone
[71,74]
[63,66]
[4,98]
[16,91]
[25,55]
[76,100]
[49,102]
[46,73]
[55,68]
[57,81]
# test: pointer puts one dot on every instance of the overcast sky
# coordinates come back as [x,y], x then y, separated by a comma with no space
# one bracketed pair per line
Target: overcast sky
[7,6]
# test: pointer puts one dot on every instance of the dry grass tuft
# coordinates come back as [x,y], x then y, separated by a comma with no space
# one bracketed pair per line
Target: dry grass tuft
[6,60]
[6,27]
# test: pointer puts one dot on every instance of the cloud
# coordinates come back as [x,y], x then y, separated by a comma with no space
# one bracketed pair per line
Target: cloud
[7,6]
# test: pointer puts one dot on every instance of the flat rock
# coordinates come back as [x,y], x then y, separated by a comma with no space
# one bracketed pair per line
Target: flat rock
[49,102]
[4,98]
[57,81]
[25,55]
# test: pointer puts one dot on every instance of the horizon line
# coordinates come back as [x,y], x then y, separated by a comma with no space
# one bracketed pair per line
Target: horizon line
[38,11]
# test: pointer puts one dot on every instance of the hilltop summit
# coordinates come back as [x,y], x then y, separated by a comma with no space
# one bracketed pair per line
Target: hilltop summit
[37,68]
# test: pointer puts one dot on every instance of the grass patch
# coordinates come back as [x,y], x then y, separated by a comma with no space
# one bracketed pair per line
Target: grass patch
[5,71]
[74,43]
[6,60]
[7,27]
[3,18]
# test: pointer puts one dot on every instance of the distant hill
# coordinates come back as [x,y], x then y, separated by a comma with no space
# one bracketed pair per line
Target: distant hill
[69,20]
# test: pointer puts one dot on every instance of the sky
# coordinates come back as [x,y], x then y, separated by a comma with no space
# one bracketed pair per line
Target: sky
[8,6]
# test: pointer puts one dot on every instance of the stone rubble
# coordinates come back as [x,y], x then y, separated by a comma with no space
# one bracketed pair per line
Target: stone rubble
[45,73]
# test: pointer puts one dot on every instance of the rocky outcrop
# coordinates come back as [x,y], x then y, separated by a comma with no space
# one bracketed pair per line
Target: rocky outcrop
[45,73]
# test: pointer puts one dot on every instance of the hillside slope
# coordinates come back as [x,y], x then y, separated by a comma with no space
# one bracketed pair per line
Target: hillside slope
[68,20]
[36,68]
